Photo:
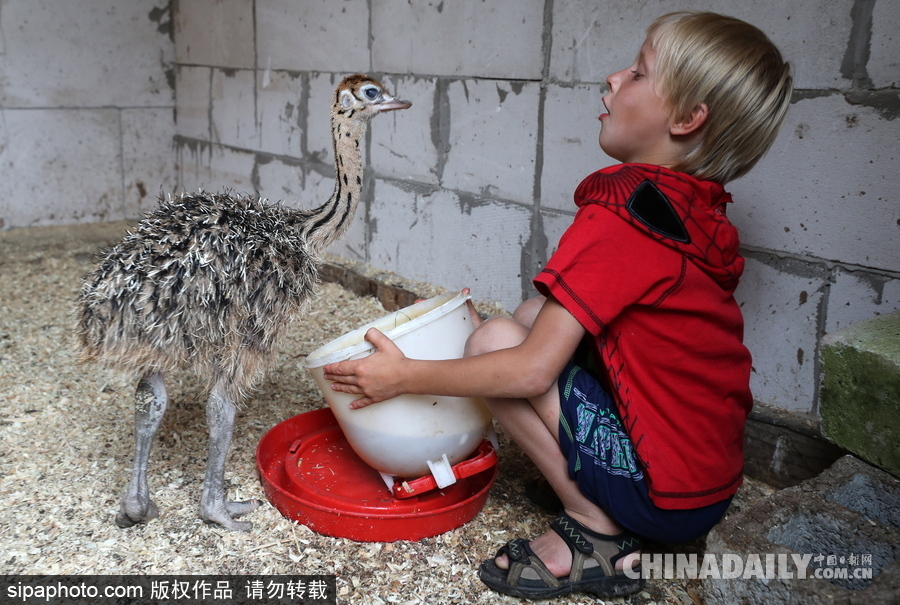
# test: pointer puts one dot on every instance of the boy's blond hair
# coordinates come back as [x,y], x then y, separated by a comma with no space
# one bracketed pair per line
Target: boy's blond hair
[739,74]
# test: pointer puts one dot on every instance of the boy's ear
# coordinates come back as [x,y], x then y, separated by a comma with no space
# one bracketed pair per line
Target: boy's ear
[691,121]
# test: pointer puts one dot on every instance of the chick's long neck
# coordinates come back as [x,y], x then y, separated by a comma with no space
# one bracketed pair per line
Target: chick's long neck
[327,223]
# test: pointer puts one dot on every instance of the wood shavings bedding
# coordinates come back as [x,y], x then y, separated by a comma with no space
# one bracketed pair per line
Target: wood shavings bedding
[66,439]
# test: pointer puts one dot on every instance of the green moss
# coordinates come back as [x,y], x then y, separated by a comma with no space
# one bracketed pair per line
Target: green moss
[860,397]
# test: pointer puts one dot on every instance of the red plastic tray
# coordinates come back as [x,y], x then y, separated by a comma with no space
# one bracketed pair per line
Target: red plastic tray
[311,475]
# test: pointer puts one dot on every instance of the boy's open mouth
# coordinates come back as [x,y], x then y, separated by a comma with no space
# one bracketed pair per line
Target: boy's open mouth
[605,112]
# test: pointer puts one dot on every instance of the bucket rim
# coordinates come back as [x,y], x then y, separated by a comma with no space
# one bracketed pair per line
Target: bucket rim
[448,303]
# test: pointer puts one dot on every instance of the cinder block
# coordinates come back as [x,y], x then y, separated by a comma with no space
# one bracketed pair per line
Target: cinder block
[883,65]
[849,511]
[313,35]
[442,238]
[594,39]
[233,111]
[318,122]
[102,53]
[409,144]
[215,32]
[484,39]
[277,180]
[493,139]
[860,399]
[780,300]
[856,296]
[281,102]
[60,166]
[214,168]
[571,147]
[147,159]
[192,104]
[831,157]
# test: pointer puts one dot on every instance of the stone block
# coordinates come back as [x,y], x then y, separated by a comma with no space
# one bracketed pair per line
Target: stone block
[860,398]
[484,39]
[554,226]
[783,449]
[277,180]
[318,123]
[837,536]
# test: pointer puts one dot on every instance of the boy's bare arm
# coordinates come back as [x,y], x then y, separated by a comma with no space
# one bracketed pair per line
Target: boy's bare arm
[527,370]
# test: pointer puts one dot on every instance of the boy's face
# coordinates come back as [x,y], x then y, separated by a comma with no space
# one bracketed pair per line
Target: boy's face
[636,127]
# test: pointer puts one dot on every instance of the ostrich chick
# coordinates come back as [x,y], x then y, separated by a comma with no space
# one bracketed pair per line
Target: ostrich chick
[209,282]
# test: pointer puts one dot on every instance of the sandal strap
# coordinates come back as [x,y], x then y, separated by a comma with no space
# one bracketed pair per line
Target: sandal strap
[517,551]
[573,533]
[586,544]
[522,560]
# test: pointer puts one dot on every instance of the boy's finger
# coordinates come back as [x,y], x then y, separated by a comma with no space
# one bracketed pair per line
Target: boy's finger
[360,403]
[377,338]
[333,371]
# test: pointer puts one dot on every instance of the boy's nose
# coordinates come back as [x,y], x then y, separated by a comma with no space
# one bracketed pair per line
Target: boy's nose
[612,80]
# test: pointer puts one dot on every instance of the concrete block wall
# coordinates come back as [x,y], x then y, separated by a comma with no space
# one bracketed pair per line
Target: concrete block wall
[473,185]
[86,109]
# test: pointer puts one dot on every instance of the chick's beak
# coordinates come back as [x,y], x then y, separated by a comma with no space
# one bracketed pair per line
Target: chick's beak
[390,104]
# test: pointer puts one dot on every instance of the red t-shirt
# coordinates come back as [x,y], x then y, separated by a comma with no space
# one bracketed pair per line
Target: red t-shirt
[649,268]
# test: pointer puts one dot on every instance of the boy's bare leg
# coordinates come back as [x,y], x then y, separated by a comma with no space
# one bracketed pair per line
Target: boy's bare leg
[534,424]
[528,311]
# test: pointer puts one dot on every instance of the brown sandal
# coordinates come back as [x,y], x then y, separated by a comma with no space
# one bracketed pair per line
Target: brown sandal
[594,558]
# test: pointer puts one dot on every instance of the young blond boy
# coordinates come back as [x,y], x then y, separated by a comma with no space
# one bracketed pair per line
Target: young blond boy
[650,444]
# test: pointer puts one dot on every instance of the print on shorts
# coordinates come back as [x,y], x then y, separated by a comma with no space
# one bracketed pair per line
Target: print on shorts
[600,436]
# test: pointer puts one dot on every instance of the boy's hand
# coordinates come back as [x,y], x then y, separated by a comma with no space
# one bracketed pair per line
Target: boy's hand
[375,377]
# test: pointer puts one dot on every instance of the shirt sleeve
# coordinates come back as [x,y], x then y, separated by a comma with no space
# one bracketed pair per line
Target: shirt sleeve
[604,265]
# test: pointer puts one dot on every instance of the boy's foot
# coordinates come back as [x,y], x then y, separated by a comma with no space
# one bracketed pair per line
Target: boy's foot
[570,558]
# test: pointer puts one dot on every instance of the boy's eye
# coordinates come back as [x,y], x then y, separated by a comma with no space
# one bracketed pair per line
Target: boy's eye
[636,75]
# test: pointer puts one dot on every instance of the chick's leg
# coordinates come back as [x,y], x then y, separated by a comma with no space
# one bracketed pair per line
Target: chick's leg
[220,414]
[150,401]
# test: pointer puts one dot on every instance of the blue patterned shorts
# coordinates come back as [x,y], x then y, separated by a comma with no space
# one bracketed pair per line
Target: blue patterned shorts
[603,462]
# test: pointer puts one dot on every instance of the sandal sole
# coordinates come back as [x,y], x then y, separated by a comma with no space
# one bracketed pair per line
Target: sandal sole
[606,587]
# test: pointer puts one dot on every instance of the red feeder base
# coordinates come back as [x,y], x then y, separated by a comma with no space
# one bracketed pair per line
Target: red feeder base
[311,475]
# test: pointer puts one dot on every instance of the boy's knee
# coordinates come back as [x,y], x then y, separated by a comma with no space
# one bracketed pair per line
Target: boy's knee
[494,334]
[528,310]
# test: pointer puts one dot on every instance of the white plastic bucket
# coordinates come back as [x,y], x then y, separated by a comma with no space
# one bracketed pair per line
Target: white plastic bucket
[400,436]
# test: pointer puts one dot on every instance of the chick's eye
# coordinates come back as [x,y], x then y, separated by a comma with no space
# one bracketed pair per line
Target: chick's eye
[371,93]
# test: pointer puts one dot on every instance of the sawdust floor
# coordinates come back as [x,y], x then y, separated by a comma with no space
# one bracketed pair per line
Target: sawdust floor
[66,441]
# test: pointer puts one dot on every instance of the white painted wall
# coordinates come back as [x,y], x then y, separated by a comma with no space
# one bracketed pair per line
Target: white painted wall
[471,186]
